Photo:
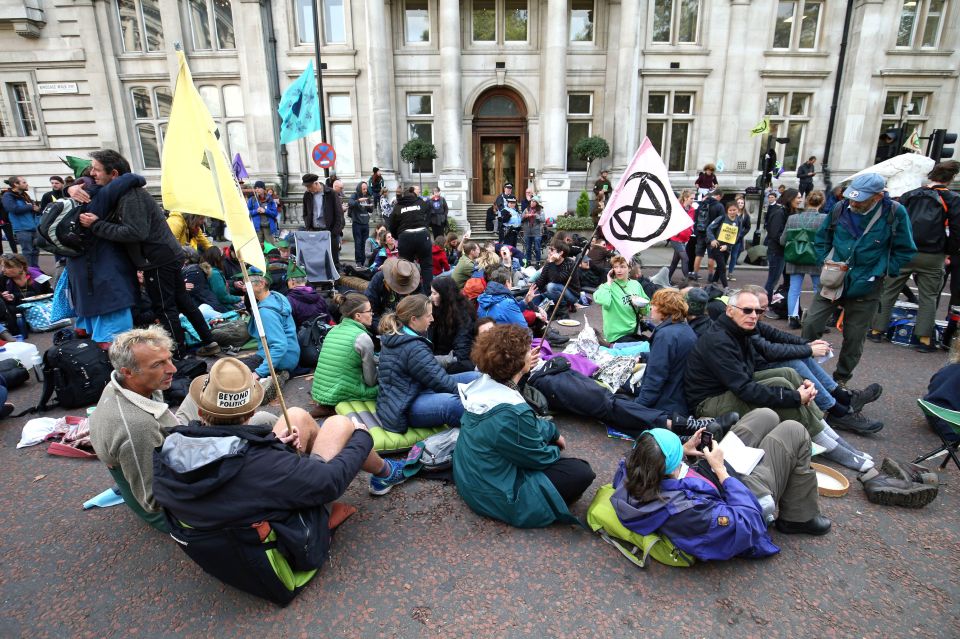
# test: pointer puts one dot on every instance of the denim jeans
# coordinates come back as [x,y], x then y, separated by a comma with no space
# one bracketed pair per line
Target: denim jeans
[360,234]
[533,243]
[26,241]
[553,292]
[796,285]
[775,264]
[734,256]
[810,369]
[431,409]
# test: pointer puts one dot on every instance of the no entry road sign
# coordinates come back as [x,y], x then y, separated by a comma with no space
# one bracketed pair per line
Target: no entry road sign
[324,156]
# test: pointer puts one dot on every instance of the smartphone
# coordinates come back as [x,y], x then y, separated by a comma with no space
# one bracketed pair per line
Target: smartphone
[706,441]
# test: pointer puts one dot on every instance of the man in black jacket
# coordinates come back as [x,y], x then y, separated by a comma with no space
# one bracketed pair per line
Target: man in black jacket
[805,173]
[722,377]
[709,209]
[410,224]
[138,223]
[242,502]
[321,213]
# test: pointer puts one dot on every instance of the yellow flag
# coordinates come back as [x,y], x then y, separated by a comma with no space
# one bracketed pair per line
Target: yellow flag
[761,127]
[196,176]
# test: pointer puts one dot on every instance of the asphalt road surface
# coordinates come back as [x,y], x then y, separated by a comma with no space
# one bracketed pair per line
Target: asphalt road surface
[417,562]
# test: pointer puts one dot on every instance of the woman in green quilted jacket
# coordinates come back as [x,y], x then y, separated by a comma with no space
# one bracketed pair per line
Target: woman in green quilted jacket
[347,368]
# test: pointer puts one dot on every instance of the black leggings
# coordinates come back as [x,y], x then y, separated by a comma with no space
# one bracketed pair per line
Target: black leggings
[417,247]
[571,477]
[720,272]
[169,298]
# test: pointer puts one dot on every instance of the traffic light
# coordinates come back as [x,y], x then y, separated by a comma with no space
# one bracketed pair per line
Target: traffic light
[938,141]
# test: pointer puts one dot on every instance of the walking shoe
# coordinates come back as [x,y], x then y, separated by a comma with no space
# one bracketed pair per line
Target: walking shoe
[270,389]
[819,525]
[876,338]
[383,485]
[855,422]
[893,491]
[731,278]
[794,322]
[911,472]
[6,409]
[208,350]
[685,427]
[860,398]
[925,348]
[554,338]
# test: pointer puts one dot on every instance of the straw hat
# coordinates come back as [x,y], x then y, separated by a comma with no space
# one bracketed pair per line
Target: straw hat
[228,390]
[402,276]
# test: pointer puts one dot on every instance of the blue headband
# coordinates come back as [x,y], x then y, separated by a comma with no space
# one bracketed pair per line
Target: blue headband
[671,447]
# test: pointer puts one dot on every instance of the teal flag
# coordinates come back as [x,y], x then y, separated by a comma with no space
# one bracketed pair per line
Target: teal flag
[299,108]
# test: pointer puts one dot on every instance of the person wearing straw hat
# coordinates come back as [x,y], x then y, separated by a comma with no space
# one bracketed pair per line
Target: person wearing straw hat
[280,331]
[396,279]
[228,486]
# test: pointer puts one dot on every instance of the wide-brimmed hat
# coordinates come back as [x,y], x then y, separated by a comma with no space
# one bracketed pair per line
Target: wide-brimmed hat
[229,389]
[402,276]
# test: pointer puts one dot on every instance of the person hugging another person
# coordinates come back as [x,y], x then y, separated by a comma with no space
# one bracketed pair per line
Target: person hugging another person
[708,510]
[622,301]
[415,391]
[507,463]
[347,367]
[723,234]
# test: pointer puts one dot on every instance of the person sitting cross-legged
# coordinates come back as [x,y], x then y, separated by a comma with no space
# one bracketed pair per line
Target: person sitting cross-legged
[254,506]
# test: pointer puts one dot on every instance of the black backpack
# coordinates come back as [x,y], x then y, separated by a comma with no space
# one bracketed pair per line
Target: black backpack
[311,336]
[927,210]
[76,371]
[59,229]
[13,373]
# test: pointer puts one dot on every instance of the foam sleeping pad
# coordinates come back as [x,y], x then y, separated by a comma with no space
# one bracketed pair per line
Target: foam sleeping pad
[384,441]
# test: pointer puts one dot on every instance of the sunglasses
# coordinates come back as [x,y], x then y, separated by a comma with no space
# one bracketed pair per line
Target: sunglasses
[750,311]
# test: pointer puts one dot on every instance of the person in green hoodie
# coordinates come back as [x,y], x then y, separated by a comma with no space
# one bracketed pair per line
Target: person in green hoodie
[347,367]
[507,462]
[467,262]
[622,301]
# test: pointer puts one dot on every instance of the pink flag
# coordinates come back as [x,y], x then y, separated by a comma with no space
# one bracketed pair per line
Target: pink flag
[642,210]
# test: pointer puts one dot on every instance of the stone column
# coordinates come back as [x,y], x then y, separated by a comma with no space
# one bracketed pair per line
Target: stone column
[379,52]
[627,95]
[553,183]
[257,90]
[453,177]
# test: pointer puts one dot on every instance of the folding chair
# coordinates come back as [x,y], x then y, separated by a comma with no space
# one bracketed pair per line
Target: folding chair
[952,418]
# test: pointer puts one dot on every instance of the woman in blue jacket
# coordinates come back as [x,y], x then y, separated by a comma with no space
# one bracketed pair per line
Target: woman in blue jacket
[414,388]
[672,340]
[707,510]
[498,302]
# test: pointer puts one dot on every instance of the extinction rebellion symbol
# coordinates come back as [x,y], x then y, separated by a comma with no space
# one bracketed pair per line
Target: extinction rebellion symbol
[623,222]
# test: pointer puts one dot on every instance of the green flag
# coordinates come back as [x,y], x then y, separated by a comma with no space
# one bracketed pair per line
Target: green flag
[761,127]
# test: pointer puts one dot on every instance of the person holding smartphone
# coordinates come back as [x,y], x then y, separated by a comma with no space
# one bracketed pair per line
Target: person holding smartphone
[707,509]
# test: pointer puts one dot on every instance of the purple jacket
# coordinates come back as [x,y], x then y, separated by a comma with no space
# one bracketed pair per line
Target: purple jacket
[580,363]
[306,304]
[699,520]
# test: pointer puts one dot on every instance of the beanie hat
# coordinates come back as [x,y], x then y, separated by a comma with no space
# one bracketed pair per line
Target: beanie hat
[697,299]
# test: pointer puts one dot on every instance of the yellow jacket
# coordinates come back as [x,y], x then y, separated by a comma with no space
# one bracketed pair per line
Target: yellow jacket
[178,226]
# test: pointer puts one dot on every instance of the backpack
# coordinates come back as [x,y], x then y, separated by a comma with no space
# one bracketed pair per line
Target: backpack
[800,248]
[602,519]
[13,373]
[187,370]
[491,216]
[311,336]
[927,210]
[437,453]
[76,371]
[59,229]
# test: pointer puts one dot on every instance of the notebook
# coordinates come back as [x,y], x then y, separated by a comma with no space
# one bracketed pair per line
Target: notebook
[743,458]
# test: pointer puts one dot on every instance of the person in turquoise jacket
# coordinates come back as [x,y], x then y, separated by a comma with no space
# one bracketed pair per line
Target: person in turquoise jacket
[507,462]
[278,326]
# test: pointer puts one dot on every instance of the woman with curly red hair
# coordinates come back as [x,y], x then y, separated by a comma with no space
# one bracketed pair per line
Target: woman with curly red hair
[507,462]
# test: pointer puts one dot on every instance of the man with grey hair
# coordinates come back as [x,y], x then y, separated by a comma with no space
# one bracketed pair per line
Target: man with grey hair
[131,418]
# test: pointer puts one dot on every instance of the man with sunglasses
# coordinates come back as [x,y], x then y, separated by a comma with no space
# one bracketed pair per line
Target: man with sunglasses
[722,376]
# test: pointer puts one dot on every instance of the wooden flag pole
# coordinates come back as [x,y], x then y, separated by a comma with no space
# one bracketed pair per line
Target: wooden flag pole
[576,265]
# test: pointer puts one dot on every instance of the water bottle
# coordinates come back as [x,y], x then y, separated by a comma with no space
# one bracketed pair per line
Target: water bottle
[22,325]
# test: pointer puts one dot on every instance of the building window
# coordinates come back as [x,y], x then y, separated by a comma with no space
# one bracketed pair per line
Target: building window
[416,21]
[332,21]
[669,123]
[789,115]
[209,34]
[581,21]
[500,20]
[340,115]
[420,125]
[921,22]
[151,111]
[675,21]
[579,125]
[139,22]
[18,115]
[226,106]
[906,110]
[797,25]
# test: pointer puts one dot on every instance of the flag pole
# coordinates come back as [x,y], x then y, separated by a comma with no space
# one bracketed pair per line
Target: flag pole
[576,265]
[263,340]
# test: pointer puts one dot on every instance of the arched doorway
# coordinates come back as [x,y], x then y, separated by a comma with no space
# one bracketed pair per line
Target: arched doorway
[499,144]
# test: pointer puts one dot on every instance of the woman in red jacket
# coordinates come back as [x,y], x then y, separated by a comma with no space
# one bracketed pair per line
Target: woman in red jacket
[679,241]
[440,263]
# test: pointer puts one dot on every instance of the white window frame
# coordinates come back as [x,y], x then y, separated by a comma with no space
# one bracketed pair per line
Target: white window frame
[593,25]
[155,121]
[141,31]
[577,118]
[674,35]
[300,26]
[668,118]
[780,122]
[10,125]
[224,121]
[211,27]
[335,120]
[910,120]
[500,26]
[796,25]
[420,118]
[418,43]
[921,13]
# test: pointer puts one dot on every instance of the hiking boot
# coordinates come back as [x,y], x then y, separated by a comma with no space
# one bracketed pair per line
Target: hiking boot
[925,348]
[893,491]
[819,525]
[270,389]
[876,338]
[685,427]
[208,350]
[554,338]
[911,472]
[855,422]
[383,485]
[860,398]
[794,322]
[6,409]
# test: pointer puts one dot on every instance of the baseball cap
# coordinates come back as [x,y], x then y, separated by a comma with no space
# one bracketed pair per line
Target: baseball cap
[864,187]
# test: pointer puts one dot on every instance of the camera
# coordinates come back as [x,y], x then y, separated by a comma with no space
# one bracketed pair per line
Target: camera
[706,441]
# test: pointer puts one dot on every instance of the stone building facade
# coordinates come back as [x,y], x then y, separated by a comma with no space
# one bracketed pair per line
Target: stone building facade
[504,88]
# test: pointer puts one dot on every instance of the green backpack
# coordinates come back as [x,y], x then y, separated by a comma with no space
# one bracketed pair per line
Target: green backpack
[800,248]
[602,519]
